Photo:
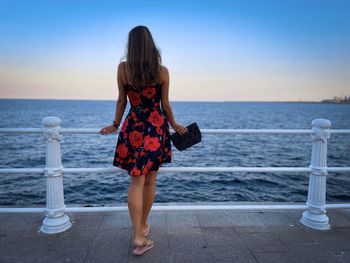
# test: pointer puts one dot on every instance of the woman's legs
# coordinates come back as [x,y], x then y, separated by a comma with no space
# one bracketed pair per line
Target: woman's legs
[135,204]
[148,196]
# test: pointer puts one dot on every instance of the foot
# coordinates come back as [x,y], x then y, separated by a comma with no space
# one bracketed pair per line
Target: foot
[140,249]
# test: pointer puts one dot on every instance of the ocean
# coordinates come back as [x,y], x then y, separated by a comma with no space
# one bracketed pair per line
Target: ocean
[95,150]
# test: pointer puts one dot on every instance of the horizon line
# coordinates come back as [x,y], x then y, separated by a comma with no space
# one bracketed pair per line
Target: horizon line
[74,99]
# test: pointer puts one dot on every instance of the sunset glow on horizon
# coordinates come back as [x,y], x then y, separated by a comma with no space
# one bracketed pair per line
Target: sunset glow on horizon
[214,50]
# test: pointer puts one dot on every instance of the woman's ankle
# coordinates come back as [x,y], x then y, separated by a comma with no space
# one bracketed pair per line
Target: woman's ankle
[139,241]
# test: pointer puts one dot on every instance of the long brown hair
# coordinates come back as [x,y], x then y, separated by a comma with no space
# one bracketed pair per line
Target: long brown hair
[143,58]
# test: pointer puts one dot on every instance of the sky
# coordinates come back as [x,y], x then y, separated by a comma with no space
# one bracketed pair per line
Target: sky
[214,50]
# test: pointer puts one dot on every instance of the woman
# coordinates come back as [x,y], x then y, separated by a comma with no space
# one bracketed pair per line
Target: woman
[144,140]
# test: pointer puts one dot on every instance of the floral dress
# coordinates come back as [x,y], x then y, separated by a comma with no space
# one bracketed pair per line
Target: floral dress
[144,139]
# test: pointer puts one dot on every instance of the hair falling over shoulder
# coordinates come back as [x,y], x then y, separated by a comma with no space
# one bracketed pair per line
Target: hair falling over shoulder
[143,59]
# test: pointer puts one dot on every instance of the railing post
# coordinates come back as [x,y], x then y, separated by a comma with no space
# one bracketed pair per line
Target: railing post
[56,220]
[315,216]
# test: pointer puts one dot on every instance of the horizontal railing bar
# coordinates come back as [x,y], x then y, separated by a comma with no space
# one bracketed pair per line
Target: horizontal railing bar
[22,170]
[177,169]
[201,169]
[204,131]
[158,207]
[338,169]
[21,130]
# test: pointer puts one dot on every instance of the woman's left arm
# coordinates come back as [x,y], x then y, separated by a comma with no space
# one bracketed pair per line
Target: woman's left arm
[122,99]
[121,105]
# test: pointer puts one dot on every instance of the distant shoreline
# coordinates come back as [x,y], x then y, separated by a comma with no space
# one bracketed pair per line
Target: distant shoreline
[226,101]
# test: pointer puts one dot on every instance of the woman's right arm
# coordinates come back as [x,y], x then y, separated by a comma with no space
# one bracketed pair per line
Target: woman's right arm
[166,104]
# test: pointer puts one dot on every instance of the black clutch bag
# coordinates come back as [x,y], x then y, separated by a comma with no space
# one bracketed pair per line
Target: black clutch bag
[192,137]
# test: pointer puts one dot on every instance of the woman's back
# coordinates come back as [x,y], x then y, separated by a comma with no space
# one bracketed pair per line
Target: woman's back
[147,96]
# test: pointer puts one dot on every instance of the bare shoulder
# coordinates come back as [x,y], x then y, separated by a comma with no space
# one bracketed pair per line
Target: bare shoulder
[164,74]
[164,70]
[121,65]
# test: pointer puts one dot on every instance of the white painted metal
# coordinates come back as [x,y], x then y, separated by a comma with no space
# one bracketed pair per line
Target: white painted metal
[203,131]
[315,216]
[176,169]
[212,169]
[56,220]
[189,207]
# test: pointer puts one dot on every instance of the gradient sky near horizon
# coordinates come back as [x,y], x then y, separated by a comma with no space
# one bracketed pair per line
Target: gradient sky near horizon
[214,50]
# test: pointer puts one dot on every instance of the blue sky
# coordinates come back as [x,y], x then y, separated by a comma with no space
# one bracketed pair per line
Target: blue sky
[214,50]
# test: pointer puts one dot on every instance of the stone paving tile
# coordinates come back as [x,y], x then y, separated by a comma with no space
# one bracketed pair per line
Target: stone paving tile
[186,242]
[202,255]
[85,221]
[212,218]
[273,257]
[243,218]
[158,218]
[263,242]
[159,253]
[74,239]
[335,239]
[222,236]
[25,245]
[3,217]
[189,248]
[299,254]
[116,220]
[25,223]
[65,255]
[231,254]
[180,236]
[181,219]
[294,236]
[182,222]
[109,244]
[338,218]
[342,256]
[258,229]
[275,219]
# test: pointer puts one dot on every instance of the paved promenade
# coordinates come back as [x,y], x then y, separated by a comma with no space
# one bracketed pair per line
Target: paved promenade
[180,236]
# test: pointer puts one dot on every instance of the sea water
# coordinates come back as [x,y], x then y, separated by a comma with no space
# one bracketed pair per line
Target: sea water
[95,150]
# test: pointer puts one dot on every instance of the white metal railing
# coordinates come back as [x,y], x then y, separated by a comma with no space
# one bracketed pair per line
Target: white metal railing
[57,221]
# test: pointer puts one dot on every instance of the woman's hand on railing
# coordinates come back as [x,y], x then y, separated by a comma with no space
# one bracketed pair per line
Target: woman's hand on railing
[107,130]
[182,130]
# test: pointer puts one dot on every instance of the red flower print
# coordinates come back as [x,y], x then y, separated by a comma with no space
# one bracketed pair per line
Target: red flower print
[148,166]
[125,135]
[122,150]
[151,143]
[135,171]
[134,98]
[125,124]
[143,136]
[141,124]
[149,92]
[135,138]
[155,118]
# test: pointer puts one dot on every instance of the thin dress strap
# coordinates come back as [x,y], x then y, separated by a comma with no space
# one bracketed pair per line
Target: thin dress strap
[126,78]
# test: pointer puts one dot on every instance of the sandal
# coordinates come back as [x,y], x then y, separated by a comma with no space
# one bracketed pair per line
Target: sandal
[147,230]
[139,250]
